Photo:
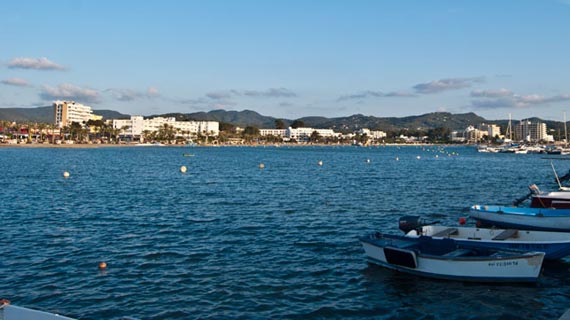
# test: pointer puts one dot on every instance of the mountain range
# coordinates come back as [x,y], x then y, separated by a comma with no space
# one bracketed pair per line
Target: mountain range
[251,118]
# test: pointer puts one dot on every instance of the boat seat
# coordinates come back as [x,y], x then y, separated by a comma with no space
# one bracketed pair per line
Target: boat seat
[457,253]
[506,234]
[445,233]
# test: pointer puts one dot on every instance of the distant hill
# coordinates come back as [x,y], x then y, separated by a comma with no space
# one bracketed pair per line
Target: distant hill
[343,124]
[422,122]
[40,114]
[111,114]
[238,118]
[45,114]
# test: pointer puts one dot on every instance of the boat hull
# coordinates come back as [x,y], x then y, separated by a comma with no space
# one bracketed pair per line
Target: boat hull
[10,312]
[508,268]
[555,245]
[543,219]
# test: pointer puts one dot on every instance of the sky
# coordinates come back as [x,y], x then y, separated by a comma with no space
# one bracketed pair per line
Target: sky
[290,58]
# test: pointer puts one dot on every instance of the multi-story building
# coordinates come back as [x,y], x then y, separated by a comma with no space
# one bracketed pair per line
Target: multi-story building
[137,125]
[472,134]
[492,130]
[66,112]
[528,131]
[375,135]
[273,132]
[303,134]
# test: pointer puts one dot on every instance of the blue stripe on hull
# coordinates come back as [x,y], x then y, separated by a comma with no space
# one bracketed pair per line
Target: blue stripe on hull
[444,277]
[507,225]
[553,251]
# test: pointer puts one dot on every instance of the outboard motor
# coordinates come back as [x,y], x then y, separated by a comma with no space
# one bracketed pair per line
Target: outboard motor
[533,188]
[409,223]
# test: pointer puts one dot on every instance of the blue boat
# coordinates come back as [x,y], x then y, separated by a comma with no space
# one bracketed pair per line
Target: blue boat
[543,219]
[555,245]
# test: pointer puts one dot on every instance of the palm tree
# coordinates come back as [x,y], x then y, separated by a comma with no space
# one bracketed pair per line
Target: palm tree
[166,132]
[42,127]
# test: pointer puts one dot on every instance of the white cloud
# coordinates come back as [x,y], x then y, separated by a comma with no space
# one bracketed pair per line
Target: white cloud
[33,63]
[152,92]
[516,101]
[437,86]
[375,94]
[69,91]
[271,93]
[16,82]
[130,95]
[219,95]
[491,93]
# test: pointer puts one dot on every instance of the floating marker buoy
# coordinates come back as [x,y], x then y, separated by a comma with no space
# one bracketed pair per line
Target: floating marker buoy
[261,166]
[320,163]
[437,156]
[367,160]
[66,174]
[397,159]
[418,157]
[462,220]
[102,265]
[183,169]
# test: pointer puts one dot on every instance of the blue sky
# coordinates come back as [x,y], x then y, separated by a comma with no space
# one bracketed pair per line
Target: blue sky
[290,59]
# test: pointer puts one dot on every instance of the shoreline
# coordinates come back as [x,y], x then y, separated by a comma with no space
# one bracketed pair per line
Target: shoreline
[95,146]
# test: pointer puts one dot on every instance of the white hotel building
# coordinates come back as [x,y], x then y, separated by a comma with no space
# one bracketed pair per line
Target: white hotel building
[66,112]
[137,125]
[298,134]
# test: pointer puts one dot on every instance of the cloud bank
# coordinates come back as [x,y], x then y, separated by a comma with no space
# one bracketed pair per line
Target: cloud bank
[130,95]
[33,63]
[503,98]
[18,82]
[69,91]
[269,93]
[375,94]
[491,93]
[437,86]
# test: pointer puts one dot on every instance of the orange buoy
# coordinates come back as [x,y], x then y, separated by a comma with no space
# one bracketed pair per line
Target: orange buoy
[102,265]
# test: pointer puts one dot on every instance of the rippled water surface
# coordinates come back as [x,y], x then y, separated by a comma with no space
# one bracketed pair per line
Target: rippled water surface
[230,240]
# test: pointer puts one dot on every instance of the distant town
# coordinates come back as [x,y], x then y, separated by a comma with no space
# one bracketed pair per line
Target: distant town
[75,123]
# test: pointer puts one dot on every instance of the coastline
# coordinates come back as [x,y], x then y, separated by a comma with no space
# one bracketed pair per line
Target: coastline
[94,146]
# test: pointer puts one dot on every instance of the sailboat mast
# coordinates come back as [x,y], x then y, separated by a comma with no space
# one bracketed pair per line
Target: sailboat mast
[565,133]
[510,129]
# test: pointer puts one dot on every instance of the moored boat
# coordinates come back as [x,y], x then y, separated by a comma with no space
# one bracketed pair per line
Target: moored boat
[446,259]
[544,219]
[11,312]
[555,199]
[555,245]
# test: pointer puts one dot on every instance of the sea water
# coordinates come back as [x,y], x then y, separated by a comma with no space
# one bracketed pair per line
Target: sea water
[228,239]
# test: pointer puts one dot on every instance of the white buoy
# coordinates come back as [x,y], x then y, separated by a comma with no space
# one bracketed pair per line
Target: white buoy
[66,174]
[436,156]
[397,159]
[261,166]
[320,163]
[183,169]
[418,157]
[367,160]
